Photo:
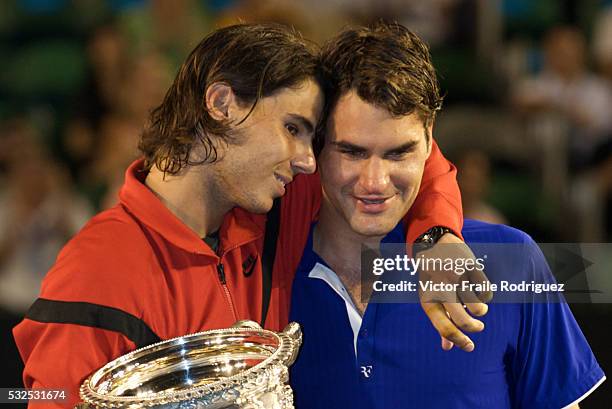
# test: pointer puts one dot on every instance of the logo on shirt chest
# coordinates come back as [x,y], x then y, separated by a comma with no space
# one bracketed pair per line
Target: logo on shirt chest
[366,370]
[249,265]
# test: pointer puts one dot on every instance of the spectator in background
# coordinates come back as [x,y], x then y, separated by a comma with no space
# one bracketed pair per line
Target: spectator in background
[117,149]
[81,138]
[39,212]
[474,168]
[566,87]
[581,101]
[602,51]
[602,42]
[313,22]
[171,27]
[142,87]
[100,141]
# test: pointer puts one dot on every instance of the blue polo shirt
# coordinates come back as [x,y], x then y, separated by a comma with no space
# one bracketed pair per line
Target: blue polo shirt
[530,355]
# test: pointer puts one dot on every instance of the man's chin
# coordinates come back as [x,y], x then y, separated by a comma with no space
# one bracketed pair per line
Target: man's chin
[259,207]
[372,229]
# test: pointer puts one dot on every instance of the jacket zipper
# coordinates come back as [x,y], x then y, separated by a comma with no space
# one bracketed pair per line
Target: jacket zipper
[222,279]
[221,273]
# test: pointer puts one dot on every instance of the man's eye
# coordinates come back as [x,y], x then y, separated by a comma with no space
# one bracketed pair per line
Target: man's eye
[353,154]
[293,129]
[396,156]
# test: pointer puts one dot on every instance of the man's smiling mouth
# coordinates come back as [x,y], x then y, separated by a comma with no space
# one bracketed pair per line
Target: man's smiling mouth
[373,204]
[372,201]
[283,179]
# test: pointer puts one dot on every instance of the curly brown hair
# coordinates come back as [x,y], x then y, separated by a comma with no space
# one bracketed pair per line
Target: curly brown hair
[386,65]
[255,60]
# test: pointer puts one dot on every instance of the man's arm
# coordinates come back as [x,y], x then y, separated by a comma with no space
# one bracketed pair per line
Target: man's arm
[439,204]
[90,308]
[439,200]
[299,208]
[61,356]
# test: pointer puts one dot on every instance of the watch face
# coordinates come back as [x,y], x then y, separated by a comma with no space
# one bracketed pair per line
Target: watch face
[432,235]
[428,238]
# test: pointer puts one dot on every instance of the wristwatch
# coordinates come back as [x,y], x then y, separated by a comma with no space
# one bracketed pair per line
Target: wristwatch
[431,237]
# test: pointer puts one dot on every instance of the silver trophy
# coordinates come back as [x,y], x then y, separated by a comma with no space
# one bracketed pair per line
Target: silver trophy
[244,366]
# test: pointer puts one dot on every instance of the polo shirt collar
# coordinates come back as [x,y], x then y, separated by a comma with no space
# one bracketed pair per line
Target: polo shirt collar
[237,228]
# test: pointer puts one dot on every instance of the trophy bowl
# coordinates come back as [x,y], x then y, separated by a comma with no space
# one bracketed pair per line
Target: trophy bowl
[244,366]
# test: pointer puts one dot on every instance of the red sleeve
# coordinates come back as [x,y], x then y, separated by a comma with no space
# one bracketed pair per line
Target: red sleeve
[61,356]
[439,200]
[299,208]
[89,269]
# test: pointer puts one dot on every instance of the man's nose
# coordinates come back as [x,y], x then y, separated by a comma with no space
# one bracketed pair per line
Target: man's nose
[374,177]
[303,161]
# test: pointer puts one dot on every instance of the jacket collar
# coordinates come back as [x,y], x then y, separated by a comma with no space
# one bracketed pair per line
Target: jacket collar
[238,227]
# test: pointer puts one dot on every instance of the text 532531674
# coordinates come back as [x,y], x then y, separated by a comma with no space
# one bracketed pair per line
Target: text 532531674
[23,395]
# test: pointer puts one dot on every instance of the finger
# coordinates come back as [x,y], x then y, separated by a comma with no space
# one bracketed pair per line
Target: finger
[477,308]
[473,304]
[446,344]
[445,327]
[439,297]
[477,277]
[462,319]
[467,296]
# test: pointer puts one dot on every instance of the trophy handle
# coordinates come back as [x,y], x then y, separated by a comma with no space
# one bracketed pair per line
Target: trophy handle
[293,330]
[246,324]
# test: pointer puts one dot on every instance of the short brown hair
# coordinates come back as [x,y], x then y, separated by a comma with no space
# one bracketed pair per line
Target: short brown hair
[255,60]
[387,65]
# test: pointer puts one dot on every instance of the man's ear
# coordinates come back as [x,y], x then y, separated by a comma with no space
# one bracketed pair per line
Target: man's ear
[429,130]
[220,101]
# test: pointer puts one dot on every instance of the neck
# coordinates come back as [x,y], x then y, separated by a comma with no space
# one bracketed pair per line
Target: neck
[336,242]
[190,198]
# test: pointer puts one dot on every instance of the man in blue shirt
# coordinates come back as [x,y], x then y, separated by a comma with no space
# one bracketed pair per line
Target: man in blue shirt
[383,96]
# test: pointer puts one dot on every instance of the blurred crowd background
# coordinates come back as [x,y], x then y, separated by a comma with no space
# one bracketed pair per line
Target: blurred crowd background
[527,116]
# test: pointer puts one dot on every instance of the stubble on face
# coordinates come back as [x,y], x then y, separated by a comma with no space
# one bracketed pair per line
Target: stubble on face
[253,172]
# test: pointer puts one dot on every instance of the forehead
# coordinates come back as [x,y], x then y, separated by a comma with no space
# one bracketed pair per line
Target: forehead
[356,121]
[305,99]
